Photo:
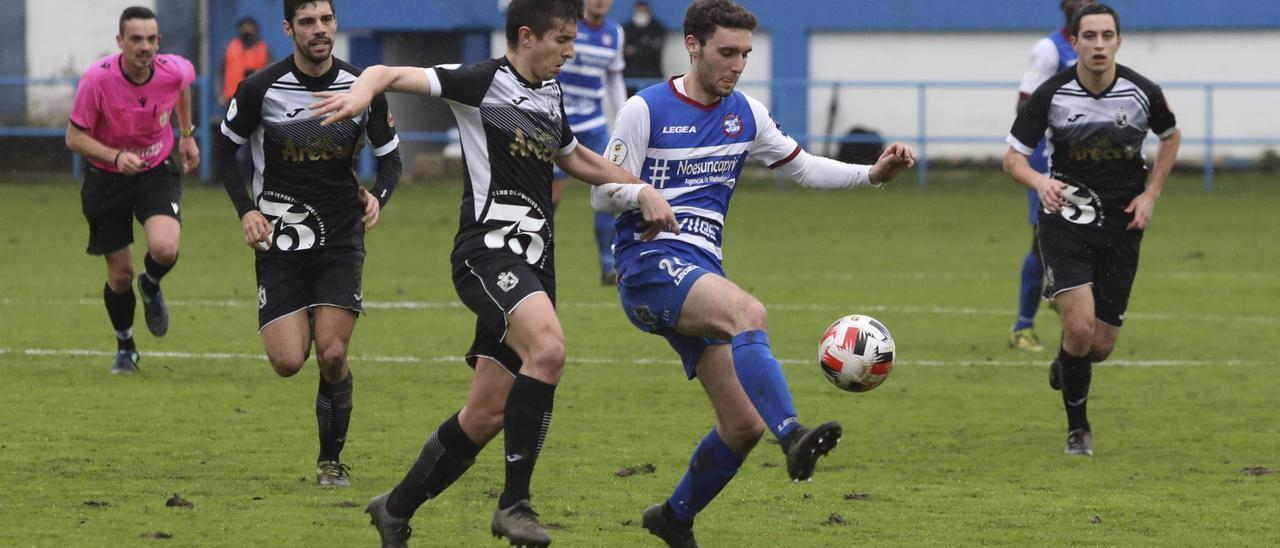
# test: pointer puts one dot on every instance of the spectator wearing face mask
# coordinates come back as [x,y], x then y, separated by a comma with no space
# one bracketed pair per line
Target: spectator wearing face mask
[245,55]
[643,51]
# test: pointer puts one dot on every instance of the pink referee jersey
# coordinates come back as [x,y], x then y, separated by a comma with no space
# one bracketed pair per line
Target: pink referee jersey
[127,116]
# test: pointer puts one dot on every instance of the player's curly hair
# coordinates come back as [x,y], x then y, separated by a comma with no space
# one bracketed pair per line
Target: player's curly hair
[703,16]
[291,8]
[1093,9]
[539,15]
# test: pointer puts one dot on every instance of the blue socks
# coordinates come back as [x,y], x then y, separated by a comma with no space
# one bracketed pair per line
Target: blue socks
[762,378]
[1030,293]
[604,240]
[712,466]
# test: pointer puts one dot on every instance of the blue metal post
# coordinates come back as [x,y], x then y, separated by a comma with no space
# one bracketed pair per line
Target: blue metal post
[922,158]
[1208,138]
[203,130]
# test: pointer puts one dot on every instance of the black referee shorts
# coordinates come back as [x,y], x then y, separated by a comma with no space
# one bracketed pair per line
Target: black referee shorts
[492,285]
[1075,256]
[110,202]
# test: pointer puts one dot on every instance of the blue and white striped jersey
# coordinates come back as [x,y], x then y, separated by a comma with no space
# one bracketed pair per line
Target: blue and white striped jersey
[584,79]
[693,154]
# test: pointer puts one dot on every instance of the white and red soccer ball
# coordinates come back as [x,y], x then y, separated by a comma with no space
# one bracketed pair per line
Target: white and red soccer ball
[856,353]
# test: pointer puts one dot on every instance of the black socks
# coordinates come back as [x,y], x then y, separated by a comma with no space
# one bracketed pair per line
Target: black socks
[333,415]
[120,308]
[1077,372]
[528,416]
[446,455]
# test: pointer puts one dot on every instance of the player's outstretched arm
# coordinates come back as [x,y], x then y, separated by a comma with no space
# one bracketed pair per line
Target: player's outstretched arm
[1144,204]
[591,168]
[892,161]
[820,173]
[1052,192]
[587,166]
[374,80]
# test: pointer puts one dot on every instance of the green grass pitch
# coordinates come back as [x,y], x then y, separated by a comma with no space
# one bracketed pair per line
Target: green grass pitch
[961,446]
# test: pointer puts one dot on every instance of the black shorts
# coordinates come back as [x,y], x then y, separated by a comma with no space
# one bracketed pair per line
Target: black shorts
[492,285]
[296,280]
[1076,256]
[110,202]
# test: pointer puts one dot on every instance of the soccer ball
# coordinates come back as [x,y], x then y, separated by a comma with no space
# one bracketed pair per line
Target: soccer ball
[856,353]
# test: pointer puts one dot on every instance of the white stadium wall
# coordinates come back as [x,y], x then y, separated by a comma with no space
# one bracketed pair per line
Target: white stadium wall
[1165,57]
[63,38]
[675,60]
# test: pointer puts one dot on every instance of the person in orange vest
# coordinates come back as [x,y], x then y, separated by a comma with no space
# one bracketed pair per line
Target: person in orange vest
[246,54]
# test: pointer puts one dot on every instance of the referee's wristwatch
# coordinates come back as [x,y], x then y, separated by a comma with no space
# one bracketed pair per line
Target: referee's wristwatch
[189,131]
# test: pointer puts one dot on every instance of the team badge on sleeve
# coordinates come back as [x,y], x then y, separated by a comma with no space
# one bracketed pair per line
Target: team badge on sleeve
[232,110]
[732,125]
[617,152]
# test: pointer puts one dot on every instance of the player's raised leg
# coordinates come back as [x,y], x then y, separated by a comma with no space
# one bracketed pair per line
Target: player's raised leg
[447,454]
[163,233]
[718,456]
[716,307]
[332,332]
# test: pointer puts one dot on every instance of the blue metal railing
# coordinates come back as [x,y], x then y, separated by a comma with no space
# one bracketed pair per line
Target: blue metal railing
[921,138]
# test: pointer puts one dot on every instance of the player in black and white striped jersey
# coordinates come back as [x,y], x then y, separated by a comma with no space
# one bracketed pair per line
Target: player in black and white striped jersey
[1097,198]
[308,214]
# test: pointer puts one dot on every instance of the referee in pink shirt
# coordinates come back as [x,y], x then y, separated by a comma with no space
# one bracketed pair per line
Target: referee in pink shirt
[121,123]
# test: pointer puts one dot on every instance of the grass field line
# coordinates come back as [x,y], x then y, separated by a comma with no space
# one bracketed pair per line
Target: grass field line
[243,357]
[837,307]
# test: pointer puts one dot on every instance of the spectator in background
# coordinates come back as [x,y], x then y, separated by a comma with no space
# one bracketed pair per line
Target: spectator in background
[245,55]
[643,51]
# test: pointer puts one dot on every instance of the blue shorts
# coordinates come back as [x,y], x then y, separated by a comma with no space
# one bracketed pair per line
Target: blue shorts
[653,287]
[595,139]
[1033,203]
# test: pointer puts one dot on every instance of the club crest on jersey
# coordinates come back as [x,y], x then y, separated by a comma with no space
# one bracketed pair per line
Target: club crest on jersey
[607,40]
[507,281]
[644,315]
[164,119]
[1122,119]
[617,152]
[732,125]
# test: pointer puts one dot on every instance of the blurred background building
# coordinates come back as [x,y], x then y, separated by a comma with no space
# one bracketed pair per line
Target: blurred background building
[940,73]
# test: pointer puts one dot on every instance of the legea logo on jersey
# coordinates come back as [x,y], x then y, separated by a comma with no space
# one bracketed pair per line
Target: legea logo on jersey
[679,130]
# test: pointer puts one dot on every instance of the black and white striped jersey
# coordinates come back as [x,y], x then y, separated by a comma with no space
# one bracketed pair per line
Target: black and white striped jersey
[304,180]
[511,131]
[1095,141]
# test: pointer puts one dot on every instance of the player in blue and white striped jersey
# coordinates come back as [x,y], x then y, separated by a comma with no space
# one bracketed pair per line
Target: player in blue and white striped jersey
[1051,55]
[690,137]
[594,73]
